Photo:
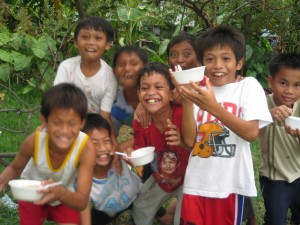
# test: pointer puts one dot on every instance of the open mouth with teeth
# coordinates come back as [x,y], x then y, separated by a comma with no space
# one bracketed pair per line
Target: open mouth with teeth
[90,50]
[218,74]
[152,101]
[127,76]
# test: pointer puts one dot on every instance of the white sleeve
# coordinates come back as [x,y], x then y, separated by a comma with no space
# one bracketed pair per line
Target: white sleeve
[61,75]
[256,106]
[110,94]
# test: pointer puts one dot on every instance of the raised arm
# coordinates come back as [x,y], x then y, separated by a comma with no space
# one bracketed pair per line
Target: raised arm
[206,100]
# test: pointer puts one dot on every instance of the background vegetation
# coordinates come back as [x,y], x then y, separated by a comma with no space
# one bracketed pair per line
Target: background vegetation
[35,36]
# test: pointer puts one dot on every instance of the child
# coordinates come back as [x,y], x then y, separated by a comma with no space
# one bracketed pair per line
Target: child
[155,94]
[280,173]
[230,113]
[92,37]
[182,50]
[111,194]
[56,152]
[127,63]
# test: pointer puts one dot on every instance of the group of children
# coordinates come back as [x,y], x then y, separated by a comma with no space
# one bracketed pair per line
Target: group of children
[201,133]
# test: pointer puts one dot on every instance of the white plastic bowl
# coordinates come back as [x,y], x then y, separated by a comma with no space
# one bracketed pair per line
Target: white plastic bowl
[25,190]
[293,122]
[185,76]
[142,156]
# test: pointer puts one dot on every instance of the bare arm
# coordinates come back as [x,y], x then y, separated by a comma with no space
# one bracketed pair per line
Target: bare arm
[85,216]
[188,125]
[142,115]
[206,100]
[15,168]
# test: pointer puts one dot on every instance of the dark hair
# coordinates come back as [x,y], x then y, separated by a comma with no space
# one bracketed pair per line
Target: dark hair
[155,67]
[288,60]
[130,49]
[96,121]
[96,23]
[223,35]
[64,96]
[184,36]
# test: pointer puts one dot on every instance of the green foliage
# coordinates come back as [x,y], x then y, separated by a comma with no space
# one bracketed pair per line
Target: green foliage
[33,38]
[258,55]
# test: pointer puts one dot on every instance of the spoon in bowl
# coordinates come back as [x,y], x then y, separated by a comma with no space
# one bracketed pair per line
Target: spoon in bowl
[122,153]
[50,185]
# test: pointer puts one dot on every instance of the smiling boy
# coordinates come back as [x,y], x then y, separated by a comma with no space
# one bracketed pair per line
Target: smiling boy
[228,117]
[58,151]
[93,36]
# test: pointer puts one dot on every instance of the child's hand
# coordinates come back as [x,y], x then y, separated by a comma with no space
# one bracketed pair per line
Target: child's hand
[176,94]
[205,99]
[142,116]
[51,194]
[172,134]
[127,160]
[295,133]
[280,113]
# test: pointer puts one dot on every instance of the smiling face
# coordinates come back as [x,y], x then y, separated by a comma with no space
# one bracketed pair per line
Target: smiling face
[127,68]
[183,54]
[285,85]
[63,126]
[221,65]
[91,44]
[103,145]
[154,93]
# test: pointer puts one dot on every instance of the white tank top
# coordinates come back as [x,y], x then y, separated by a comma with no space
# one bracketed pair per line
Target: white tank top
[39,167]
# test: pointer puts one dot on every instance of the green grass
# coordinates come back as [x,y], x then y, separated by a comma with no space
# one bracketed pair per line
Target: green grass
[10,141]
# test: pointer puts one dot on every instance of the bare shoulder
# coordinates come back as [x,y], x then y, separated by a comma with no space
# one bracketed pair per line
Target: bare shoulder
[88,152]
[27,146]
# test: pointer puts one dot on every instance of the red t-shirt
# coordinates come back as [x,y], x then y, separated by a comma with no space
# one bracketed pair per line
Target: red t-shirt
[170,162]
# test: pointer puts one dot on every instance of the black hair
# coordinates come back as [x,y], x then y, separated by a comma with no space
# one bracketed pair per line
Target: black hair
[223,35]
[155,67]
[288,60]
[96,23]
[131,49]
[64,96]
[96,121]
[184,36]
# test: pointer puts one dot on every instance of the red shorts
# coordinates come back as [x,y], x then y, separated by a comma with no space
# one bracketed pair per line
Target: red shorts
[198,210]
[31,214]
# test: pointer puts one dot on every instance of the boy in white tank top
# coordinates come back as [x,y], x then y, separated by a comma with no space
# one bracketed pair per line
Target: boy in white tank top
[58,151]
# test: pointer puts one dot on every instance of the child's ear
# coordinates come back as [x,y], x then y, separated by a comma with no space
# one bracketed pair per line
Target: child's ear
[43,120]
[108,45]
[240,64]
[138,94]
[75,43]
[82,124]
[172,92]
[270,81]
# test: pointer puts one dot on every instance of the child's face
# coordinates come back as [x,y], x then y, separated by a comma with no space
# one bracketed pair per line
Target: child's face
[91,44]
[221,65]
[183,54]
[103,145]
[63,126]
[154,93]
[285,86]
[127,67]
